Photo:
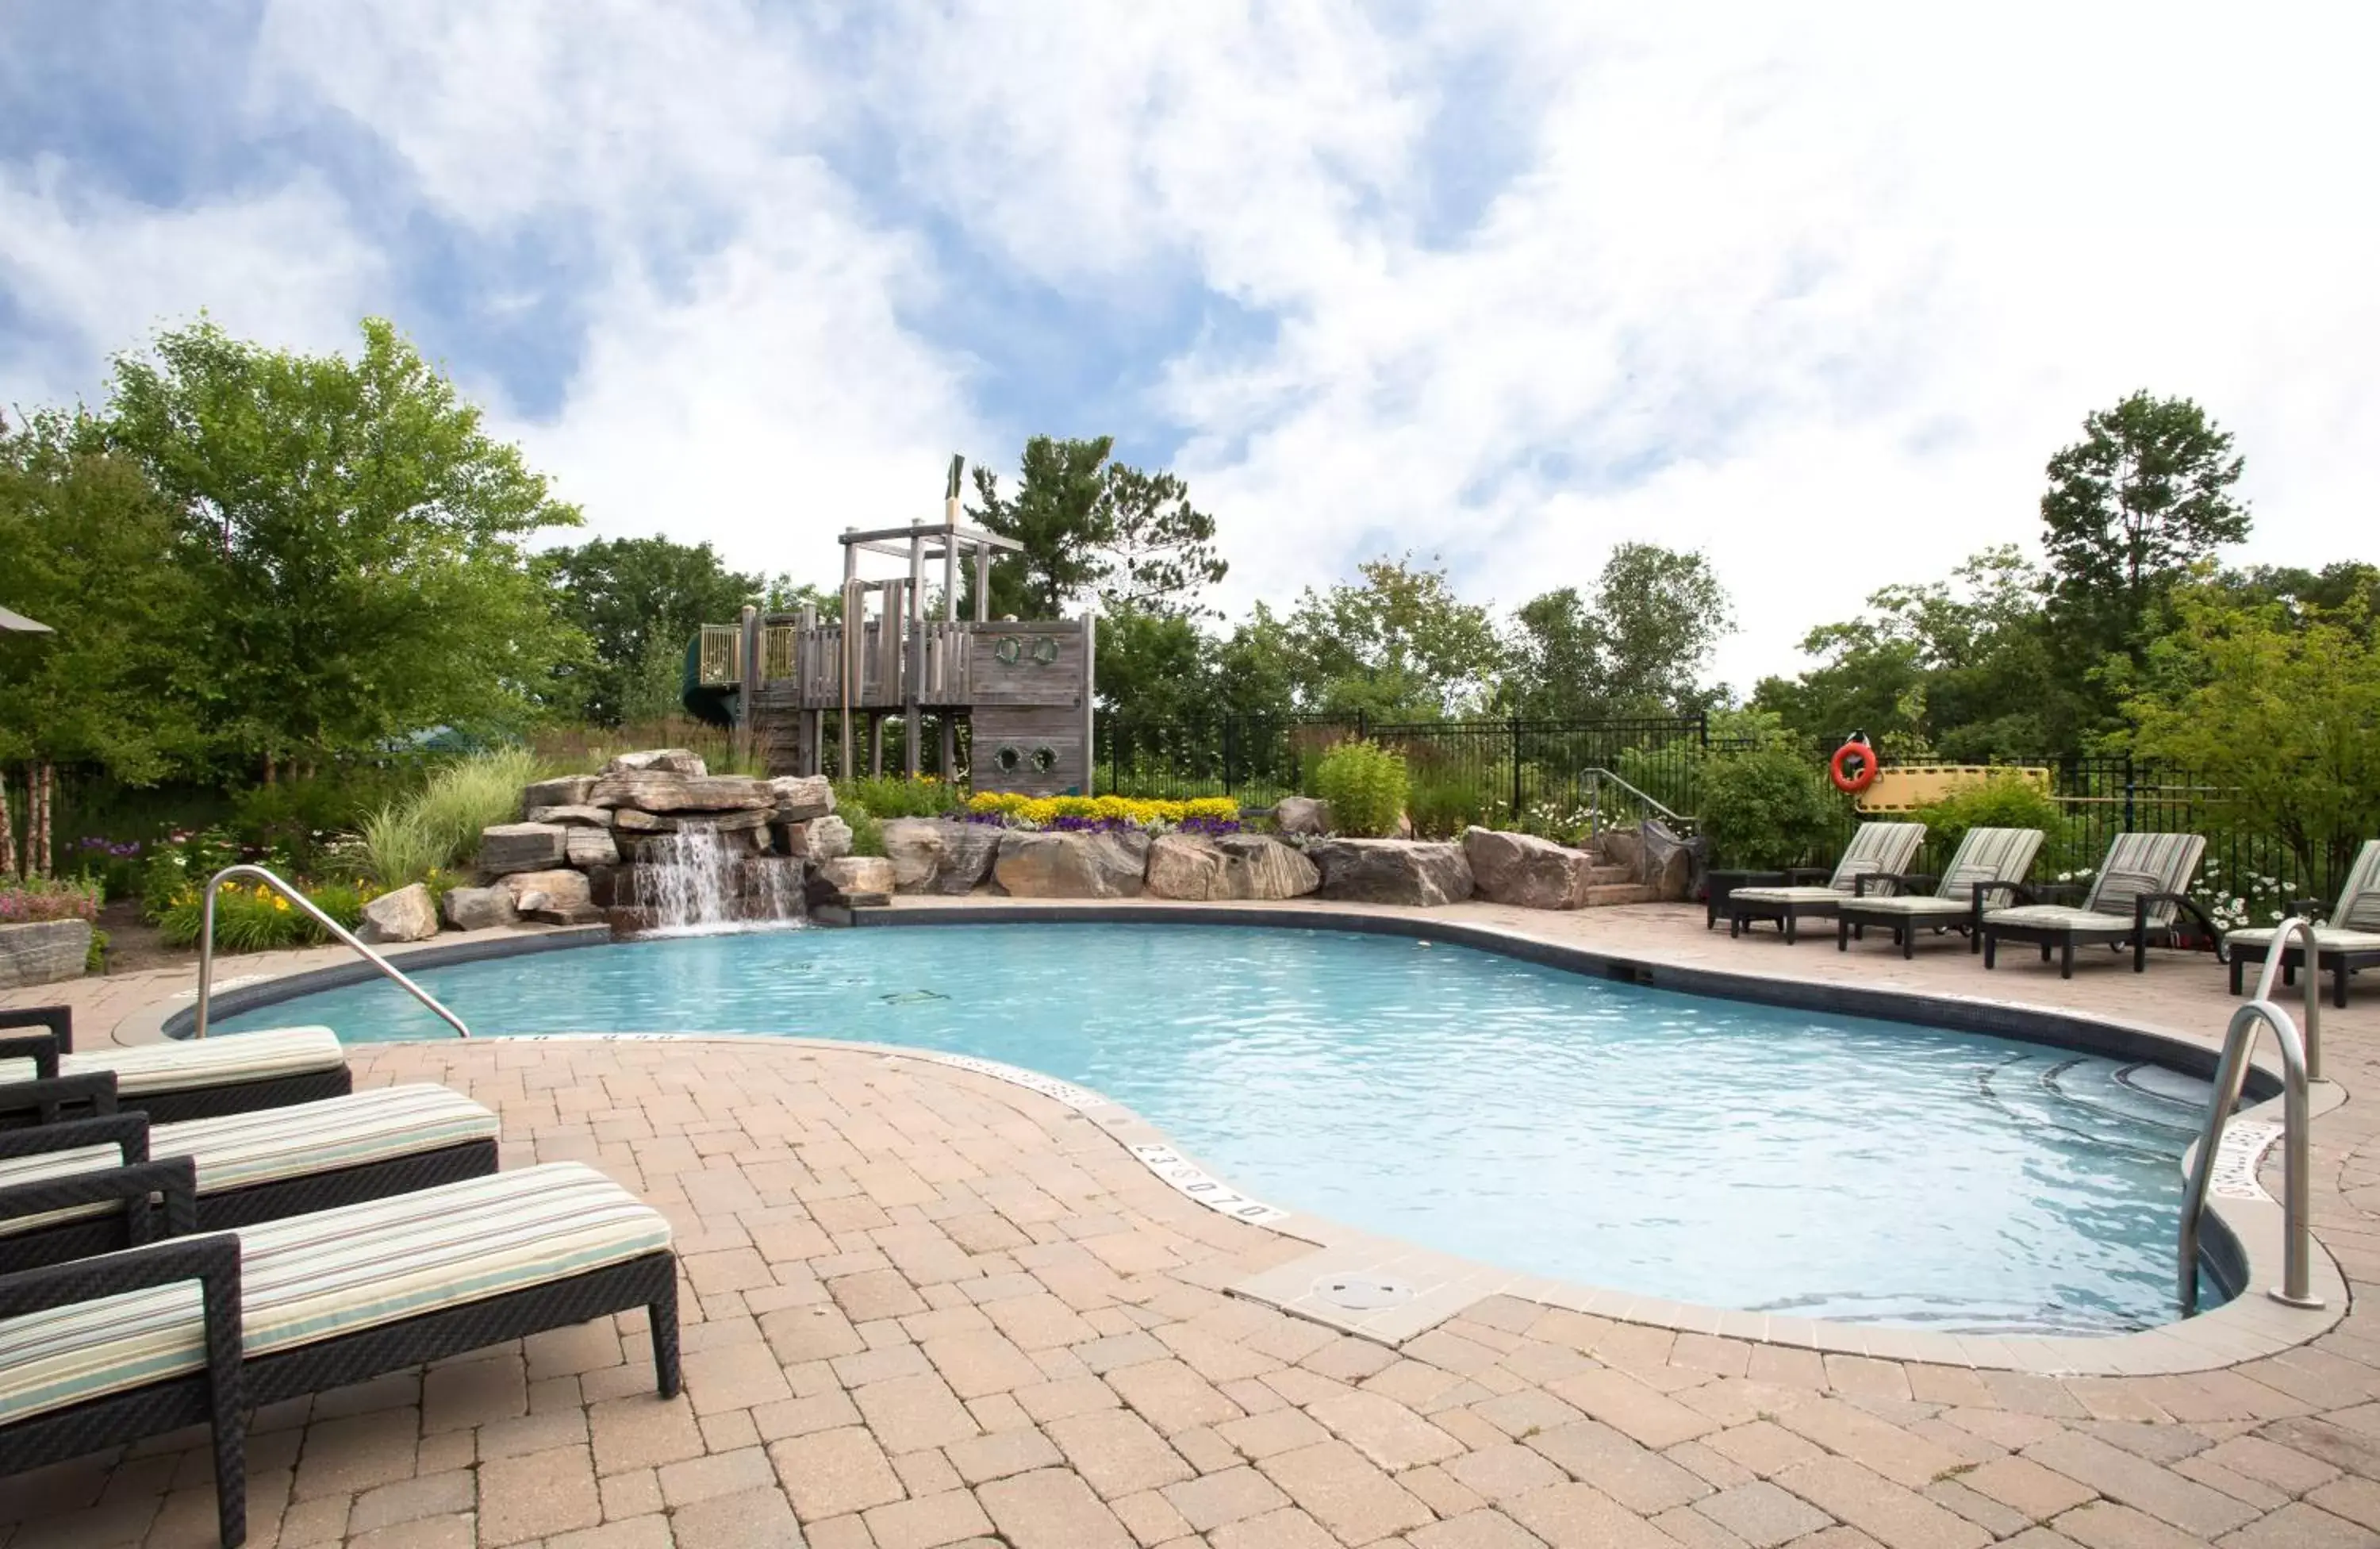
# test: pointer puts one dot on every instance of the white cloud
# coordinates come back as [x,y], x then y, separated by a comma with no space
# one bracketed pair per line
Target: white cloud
[98,273]
[1818,289]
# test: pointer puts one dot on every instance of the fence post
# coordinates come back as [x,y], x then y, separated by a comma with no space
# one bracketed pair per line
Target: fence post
[2129,819]
[1516,772]
[1229,722]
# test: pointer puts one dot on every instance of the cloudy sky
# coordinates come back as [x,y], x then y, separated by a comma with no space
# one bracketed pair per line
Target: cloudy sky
[1816,289]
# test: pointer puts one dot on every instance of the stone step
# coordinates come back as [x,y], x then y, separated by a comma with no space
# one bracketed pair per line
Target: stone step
[1605,896]
[1610,876]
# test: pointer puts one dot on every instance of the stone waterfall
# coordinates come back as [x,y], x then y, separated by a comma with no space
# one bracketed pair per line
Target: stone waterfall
[701,878]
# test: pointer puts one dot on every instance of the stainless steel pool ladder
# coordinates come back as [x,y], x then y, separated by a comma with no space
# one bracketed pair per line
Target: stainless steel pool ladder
[2301,1065]
[338,932]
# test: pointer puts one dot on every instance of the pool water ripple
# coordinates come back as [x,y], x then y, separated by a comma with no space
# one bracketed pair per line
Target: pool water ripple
[1702,1149]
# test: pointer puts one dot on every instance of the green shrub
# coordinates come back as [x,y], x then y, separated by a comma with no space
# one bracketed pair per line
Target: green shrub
[1766,808]
[1365,787]
[471,794]
[2002,800]
[1442,809]
[399,846]
[867,831]
[251,917]
[94,960]
[893,796]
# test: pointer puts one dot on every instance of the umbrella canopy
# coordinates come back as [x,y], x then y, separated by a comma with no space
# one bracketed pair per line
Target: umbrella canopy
[18,624]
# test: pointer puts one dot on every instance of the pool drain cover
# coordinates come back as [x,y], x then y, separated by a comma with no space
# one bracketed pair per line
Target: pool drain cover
[1362,1293]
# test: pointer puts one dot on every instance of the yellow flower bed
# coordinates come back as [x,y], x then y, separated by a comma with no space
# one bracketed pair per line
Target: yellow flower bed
[1117,809]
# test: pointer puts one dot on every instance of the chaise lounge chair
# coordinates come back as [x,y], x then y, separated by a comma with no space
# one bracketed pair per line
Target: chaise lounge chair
[1886,847]
[2135,899]
[104,1351]
[2350,942]
[251,1167]
[1989,862]
[180,1078]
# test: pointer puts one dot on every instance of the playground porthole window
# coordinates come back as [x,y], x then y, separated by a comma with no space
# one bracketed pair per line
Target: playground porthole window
[1044,760]
[1007,652]
[1009,758]
[1045,651]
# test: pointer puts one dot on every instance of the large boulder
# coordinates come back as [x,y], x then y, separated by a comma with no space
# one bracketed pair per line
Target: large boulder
[478,909]
[1068,865]
[969,851]
[820,840]
[569,791]
[1300,814]
[1259,866]
[800,798]
[859,876]
[408,914]
[43,952]
[628,820]
[583,848]
[1525,871]
[1666,863]
[522,847]
[654,790]
[668,761]
[1391,872]
[552,892]
[915,847]
[576,812]
[1187,866]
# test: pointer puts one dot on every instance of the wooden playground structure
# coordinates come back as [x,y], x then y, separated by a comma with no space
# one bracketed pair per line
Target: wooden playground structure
[1023,689]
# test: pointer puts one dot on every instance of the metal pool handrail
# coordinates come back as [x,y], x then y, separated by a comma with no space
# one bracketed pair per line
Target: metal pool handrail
[2299,926]
[1597,776]
[2230,1077]
[339,932]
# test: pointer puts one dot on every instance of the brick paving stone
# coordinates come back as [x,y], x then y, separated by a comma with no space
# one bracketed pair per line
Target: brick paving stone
[1497,1474]
[910,1412]
[358,1452]
[1344,1492]
[1484,1528]
[1002,1453]
[1262,1435]
[642,1432]
[1995,1518]
[1118,1454]
[1279,1530]
[1173,1396]
[2136,1483]
[1580,1517]
[754,1519]
[1636,1477]
[1898,1455]
[829,1473]
[1151,1518]
[2300,1525]
[448,1494]
[1211,1500]
[1626,1404]
[1866,1500]
[977,1364]
[2357,1500]
[1383,1430]
[724,1474]
[1763,1515]
[2023,1484]
[1051,1509]
[929,1523]
[538,1495]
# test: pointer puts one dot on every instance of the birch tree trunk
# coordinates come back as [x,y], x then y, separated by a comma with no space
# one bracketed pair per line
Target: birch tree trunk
[39,838]
[7,832]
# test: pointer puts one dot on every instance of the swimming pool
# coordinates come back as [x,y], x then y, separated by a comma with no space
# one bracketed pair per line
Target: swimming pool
[1708,1151]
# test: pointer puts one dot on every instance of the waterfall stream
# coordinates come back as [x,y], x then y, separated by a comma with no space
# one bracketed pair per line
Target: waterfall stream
[700,880]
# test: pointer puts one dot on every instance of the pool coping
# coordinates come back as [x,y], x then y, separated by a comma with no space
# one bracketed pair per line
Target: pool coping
[2245,1220]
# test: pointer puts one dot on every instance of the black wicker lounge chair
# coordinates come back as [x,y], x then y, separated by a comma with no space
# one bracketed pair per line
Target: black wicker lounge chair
[100,1353]
[1876,847]
[179,1079]
[2347,945]
[258,1166]
[2136,899]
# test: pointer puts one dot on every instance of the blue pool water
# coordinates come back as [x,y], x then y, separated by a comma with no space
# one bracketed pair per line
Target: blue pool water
[1674,1145]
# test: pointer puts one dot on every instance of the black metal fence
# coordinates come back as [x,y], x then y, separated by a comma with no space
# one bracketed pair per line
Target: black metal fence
[1540,775]
[1525,772]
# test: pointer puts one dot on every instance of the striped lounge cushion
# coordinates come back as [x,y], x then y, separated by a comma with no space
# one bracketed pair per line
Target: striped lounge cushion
[2359,901]
[1918,903]
[2058,917]
[1877,846]
[2139,863]
[1786,894]
[2325,939]
[187,1065]
[316,1277]
[1989,855]
[243,1149]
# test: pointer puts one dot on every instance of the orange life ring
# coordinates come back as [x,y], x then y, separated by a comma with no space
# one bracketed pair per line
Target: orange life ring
[1854,783]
